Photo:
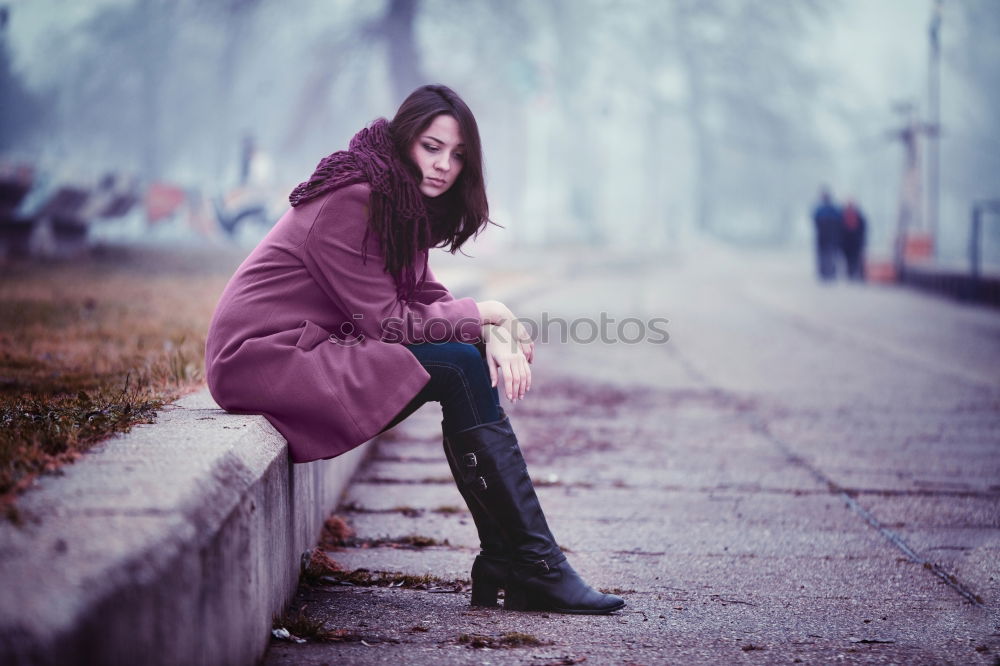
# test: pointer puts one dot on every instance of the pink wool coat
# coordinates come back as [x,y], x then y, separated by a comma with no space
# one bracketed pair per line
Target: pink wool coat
[270,351]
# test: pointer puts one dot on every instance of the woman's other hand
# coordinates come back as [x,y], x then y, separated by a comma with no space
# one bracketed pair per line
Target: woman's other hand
[495,312]
[507,357]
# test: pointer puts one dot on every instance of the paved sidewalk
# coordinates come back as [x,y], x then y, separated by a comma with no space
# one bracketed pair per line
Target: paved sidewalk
[801,474]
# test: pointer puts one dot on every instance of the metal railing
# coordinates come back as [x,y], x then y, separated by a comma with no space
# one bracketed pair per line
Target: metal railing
[976,232]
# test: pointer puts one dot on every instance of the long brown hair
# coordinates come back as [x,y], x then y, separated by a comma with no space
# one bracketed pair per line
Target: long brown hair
[458,214]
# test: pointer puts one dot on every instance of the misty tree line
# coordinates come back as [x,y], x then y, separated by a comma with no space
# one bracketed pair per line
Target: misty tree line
[602,119]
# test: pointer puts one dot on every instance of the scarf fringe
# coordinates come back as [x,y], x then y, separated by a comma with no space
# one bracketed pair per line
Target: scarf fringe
[399,214]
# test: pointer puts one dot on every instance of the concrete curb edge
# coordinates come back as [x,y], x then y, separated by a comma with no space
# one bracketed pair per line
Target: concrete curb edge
[173,544]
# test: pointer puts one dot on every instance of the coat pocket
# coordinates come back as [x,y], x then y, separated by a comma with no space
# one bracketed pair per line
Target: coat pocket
[311,335]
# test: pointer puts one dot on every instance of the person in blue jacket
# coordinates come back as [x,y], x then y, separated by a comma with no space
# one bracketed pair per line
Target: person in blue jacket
[828,220]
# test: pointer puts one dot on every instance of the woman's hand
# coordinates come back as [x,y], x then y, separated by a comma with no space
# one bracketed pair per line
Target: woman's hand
[505,355]
[495,312]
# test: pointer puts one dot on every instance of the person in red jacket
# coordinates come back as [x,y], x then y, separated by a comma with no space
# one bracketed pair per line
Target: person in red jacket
[335,329]
[852,240]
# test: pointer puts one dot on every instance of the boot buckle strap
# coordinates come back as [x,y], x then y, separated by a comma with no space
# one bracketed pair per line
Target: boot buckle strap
[470,460]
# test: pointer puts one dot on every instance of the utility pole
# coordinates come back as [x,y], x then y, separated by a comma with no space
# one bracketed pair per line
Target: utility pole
[934,113]
[912,240]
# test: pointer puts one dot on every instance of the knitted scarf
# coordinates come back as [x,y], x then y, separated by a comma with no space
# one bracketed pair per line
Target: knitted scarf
[402,218]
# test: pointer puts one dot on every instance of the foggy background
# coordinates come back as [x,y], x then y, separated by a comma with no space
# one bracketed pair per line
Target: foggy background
[608,122]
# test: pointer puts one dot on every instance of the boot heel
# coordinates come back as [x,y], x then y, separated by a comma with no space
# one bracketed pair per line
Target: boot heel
[515,598]
[484,594]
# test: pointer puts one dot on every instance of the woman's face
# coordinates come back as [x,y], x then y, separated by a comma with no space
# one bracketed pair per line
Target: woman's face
[439,154]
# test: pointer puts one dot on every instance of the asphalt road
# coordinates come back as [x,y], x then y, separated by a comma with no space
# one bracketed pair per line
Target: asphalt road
[801,473]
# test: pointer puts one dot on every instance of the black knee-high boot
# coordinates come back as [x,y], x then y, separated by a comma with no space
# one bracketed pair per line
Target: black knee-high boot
[494,481]
[493,560]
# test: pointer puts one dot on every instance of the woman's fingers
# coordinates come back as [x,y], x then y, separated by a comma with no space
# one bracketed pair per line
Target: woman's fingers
[528,349]
[515,379]
[508,374]
[523,338]
[520,376]
[522,332]
[492,365]
[524,376]
[508,356]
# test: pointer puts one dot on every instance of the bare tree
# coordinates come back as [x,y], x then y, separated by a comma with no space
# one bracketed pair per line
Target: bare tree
[750,98]
[24,111]
[397,32]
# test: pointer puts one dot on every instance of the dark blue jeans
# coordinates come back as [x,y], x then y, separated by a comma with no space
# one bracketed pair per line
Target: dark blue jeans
[460,381]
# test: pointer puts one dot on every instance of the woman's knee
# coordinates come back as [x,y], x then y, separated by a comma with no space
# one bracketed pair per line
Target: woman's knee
[465,354]
[460,358]
[469,360]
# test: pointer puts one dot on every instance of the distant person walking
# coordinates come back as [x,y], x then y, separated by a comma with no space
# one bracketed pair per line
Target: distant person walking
[852,240]
[828,221]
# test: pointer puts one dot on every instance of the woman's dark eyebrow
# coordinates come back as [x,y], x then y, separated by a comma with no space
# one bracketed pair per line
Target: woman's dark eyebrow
[434,138]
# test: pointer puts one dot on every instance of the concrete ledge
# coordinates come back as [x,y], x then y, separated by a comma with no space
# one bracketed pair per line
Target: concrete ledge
[173,544]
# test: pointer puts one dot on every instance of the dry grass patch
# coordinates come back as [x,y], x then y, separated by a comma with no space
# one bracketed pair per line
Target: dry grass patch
[303,628]
[510,639]
[91,346]
[336,533]
[369,578]
[317,566]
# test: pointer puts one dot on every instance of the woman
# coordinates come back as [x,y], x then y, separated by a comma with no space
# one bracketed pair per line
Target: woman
[335,329]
